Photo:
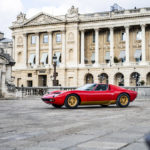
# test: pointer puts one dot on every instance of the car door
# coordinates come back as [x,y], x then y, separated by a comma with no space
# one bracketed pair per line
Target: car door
[101,93]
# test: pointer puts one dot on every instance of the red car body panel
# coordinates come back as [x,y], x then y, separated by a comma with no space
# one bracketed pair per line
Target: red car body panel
[92,97]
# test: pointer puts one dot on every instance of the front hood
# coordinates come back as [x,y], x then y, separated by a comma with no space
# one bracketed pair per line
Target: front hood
[53,94]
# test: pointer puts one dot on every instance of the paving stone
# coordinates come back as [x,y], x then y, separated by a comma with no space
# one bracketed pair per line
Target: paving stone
[33,125]
[136,146]
[102,145]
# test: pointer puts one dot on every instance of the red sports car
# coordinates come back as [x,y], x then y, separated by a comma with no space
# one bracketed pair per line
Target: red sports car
[91,94]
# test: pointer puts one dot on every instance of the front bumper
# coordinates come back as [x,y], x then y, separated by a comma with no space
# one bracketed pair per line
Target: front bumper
[48,100]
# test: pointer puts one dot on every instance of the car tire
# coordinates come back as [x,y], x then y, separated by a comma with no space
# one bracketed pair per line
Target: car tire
[57,106]
[72,101]
[104,105]
[123,100]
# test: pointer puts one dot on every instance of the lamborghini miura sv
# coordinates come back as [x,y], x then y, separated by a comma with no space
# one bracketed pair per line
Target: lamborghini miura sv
[91,94]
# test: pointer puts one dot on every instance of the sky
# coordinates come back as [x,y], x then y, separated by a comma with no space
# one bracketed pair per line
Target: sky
[9,9]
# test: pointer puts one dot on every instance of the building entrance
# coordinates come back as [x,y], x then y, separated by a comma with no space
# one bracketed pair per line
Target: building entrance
[42,80]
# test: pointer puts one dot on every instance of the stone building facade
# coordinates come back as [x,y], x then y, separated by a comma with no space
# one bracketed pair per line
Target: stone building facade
[6,44]
[107,47]
[7,88]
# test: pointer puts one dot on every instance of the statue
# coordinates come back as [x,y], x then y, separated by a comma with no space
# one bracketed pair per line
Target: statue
[72,11]
[21,18]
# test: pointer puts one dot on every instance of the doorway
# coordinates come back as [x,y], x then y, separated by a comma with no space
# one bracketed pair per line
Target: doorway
[42,80]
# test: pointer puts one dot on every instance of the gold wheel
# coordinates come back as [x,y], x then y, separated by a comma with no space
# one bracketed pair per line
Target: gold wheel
[72,101]
[124,100]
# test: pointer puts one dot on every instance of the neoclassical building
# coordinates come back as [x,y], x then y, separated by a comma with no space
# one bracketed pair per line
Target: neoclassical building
[108,47]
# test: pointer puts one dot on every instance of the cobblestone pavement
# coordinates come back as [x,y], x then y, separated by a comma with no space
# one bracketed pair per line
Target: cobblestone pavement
[34,125]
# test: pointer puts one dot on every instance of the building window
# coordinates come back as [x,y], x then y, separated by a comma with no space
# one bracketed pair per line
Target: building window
[108,36]
[33,39]
[138,55]
[122,56]
[107,57]
[58,55]
[58,37]
[31,60]
[29,74]
[93,58]
[93,37]
[123,36]
[44,58]
[29,83]
[45,38]
[139,35]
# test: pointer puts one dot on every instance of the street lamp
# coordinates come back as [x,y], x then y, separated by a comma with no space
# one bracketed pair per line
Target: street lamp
[136,77]
[55,74]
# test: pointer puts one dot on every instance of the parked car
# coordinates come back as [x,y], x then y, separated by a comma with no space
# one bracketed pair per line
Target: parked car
[91,94]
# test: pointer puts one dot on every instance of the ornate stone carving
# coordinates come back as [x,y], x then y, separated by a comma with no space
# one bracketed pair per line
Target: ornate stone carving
[43,19]
[21,18]
[72,11]
[72,14]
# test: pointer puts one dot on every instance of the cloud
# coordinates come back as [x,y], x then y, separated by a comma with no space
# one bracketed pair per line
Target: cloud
[9,9]
[8,12]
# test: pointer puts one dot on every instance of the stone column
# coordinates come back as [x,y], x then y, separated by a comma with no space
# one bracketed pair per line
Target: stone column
[82,47]
[50,49]
[64,48]
[25,49]
[13,52]
[112,45]
[37,49]
[96,47]
[143,43]
[127,44]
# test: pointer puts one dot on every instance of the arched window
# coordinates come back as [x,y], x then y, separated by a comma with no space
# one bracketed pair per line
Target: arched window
[119,79]
[89,78]
[103,78]
[134,79]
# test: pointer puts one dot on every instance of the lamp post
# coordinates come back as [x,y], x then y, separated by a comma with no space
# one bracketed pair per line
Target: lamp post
[55,74]
[136,77]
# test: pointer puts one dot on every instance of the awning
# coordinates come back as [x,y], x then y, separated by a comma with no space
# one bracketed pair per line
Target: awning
[31,59]
[93,57]
[122,54]
[44,58]
[137,54]
[107,56]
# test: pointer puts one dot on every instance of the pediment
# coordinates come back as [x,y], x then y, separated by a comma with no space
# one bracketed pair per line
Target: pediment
[42,19]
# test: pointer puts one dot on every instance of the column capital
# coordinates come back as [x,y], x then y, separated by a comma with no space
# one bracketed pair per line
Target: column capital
[63,31]
[49,31]
[96,29]
[142,25]
[25,34]
[127,26]
[36,33]
[82,30]
[111,28]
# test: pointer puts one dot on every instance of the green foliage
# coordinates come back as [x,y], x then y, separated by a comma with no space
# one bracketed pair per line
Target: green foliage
[142,82]
[116,60]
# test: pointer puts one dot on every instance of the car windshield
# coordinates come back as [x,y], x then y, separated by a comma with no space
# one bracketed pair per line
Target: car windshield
[87,87]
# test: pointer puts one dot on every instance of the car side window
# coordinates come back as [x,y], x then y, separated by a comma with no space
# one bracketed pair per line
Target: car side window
[90,88]
[102,87]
